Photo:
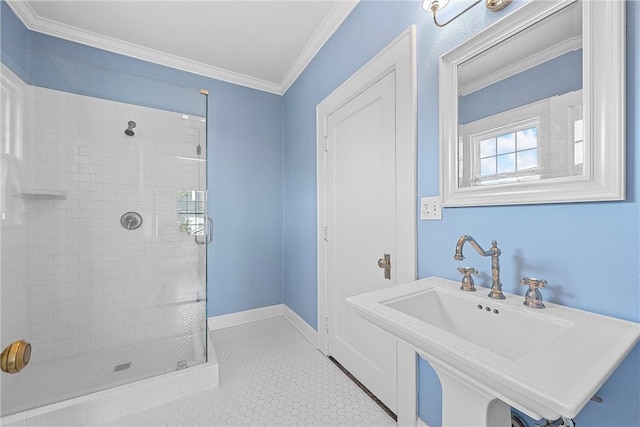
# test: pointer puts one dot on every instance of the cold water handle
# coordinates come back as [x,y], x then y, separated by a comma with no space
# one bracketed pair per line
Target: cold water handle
[533,298]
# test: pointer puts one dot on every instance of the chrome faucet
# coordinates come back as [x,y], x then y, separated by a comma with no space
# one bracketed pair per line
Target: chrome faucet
[494,253]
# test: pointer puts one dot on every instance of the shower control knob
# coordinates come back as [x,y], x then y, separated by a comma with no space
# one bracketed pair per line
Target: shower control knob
[131,220]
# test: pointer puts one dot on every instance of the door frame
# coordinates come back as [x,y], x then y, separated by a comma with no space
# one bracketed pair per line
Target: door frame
[398,56]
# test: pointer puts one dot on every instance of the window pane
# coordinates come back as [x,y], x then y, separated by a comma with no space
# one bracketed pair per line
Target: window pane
[527,139]
[506,143]
[488,166]
[191,207]
[507,163]
[577,130]
[527,159]
[488,147]
[578,153]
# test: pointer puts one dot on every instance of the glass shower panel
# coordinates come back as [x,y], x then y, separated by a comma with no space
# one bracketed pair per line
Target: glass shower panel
[98,271]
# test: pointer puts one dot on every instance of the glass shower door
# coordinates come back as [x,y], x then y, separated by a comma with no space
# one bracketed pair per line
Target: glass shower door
[99,271]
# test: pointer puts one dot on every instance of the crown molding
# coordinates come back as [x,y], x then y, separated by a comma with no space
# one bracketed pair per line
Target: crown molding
[479,82]
[336,16]
[340,11]
[23,11]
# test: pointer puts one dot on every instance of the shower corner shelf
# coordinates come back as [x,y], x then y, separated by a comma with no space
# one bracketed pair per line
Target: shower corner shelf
[39,193]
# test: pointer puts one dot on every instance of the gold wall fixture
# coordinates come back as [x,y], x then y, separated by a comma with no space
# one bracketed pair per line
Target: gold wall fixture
[15,357]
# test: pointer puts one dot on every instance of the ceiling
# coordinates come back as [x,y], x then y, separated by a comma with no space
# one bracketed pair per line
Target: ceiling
[263,44]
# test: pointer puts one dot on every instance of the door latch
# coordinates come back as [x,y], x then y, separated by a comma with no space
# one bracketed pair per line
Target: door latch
[386,264]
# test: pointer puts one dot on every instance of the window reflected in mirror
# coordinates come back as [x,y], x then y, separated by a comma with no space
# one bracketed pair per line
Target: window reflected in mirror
[191,212]
[508,157]
[538,141]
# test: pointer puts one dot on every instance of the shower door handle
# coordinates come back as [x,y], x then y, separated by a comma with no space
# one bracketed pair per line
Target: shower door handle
[209,230]
[208,233]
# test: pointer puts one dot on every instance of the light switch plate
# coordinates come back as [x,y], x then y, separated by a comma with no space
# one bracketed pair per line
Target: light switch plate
[430,208]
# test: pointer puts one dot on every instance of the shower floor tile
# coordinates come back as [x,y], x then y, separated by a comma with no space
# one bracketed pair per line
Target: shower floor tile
[49,382]
[270,375]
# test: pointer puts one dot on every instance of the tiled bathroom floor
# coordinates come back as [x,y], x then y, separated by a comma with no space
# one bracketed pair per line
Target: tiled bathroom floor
[270,375]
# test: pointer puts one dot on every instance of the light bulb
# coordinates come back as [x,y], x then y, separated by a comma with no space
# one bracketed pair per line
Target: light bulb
[430,5]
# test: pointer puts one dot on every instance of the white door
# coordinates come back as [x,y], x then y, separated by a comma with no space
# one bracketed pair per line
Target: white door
[361,163]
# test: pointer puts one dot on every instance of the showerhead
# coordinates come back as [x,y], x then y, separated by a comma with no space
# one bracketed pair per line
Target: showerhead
[129,131]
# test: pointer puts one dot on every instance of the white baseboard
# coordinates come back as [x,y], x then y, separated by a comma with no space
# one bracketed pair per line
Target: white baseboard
[242,317]
[303,327]
[420,423]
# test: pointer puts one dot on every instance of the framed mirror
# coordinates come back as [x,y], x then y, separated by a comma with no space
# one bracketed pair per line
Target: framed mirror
[532,109]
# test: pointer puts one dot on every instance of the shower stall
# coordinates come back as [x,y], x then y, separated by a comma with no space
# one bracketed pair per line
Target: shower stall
[104,228]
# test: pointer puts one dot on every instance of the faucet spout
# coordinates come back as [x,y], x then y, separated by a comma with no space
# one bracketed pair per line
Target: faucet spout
[466,238]
[494,253]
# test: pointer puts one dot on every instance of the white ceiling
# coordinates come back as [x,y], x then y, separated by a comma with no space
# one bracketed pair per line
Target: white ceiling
[263,44]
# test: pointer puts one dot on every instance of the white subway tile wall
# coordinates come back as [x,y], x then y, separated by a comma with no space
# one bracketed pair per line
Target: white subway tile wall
[75,282]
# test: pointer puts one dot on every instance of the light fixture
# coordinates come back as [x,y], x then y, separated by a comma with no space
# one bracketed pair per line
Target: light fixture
[434,6]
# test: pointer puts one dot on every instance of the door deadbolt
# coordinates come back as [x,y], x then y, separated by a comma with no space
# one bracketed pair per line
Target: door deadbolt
[386,264]
[15,357]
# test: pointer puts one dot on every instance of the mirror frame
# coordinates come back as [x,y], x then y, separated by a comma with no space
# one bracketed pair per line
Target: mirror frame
[603,38]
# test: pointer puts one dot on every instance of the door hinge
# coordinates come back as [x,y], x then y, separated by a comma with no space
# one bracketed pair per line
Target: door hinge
[326,324]
[325,144]
[325,234]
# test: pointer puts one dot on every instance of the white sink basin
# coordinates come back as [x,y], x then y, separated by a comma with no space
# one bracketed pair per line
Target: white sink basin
[506,331]
[547,363]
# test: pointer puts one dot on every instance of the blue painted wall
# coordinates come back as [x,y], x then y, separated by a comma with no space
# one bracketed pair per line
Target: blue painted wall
[245,144]
[13,33]
[554,77]
[589,252]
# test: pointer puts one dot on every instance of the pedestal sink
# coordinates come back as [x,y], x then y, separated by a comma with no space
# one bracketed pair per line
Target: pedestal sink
[492,354]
